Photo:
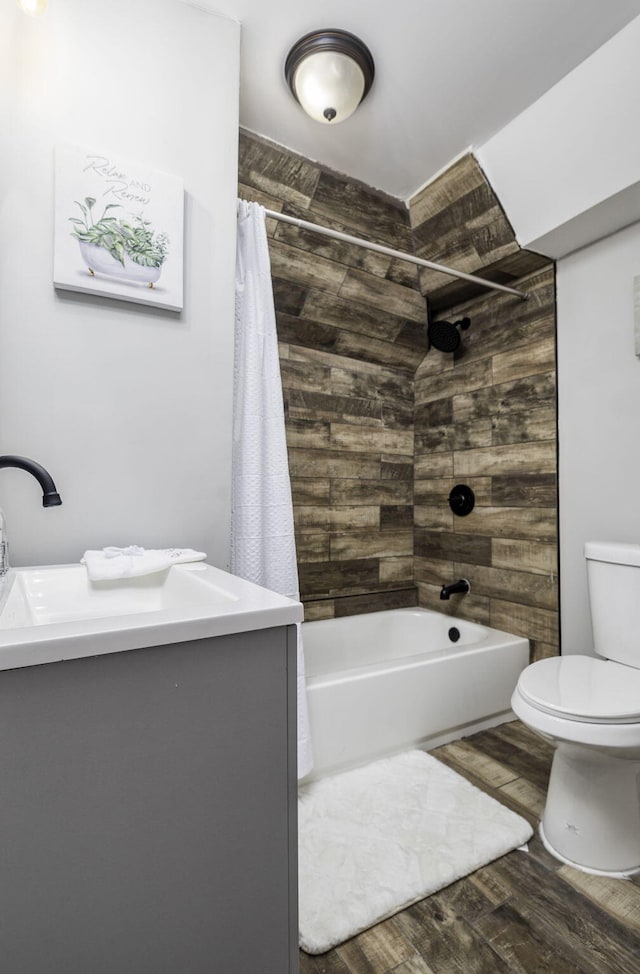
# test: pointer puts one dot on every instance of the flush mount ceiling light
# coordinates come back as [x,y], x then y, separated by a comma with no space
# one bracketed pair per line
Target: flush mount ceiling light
[33,7]
[329,73]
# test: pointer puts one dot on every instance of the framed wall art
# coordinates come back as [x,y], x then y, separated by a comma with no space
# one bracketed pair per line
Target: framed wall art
[119,228]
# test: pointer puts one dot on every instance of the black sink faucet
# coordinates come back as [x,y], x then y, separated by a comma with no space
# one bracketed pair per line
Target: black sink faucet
[461,587]
[50,497]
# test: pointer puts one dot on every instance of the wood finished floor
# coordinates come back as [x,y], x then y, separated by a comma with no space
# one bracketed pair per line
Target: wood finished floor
[525,913]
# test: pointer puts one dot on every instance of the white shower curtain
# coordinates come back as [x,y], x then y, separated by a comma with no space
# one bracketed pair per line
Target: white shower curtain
[263,548]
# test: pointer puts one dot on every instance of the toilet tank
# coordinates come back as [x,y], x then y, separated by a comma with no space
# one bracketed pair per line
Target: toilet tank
[613,573]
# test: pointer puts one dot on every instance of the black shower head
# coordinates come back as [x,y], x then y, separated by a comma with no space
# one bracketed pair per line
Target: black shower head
[445,335]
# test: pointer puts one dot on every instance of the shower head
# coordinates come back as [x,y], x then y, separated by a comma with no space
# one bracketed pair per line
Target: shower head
[445,335]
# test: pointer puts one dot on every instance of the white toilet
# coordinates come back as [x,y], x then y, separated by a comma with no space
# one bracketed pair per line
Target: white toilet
[589,708]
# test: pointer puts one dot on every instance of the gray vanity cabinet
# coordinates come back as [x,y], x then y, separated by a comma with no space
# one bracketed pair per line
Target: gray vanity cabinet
[148,810]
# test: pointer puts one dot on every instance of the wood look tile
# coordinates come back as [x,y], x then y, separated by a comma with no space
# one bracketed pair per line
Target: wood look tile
[370,492]
[311,334]
[452,546]
[432,570]
[396,468]
[446,941]
[340,312]
[302,352]
[527,490]
[275,170]
[355,362]
[473,608]
[377,950]
[396,569]
[515,732]
[455,437]
[521,946]
[433,466]
[526,393]
[617,897]
[437,412]
[290,264]
[542,650]
[371,440]
[330,578]
[524,555]
[314,243]
[459,179]
[434,363]
[503,460]
[374,383]
[372,601]
[371,544]
[525,360]
[456,382]
[305,376]
[397,415]
[436,491]
[333,464]
[414,335]
[324,518]
[531,766]
[599,943]
[470,757]
[311,546]
[254,195]
[466,899]
[288,298]
[310,492]
[522,426]
[402,272]
[394,516]
[524,620]
[307,433]
[320,609]
[373,350]
[404,302]
[368,212]
[433,517]
[329,963]
[527,799]
[522,587]
[315,405]
[527,321]
[417,965]
[511,270]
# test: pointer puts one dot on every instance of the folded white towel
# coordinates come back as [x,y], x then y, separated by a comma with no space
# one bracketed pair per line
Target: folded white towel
[111,563]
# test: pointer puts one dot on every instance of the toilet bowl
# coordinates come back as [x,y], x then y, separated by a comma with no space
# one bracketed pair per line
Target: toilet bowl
[589,709]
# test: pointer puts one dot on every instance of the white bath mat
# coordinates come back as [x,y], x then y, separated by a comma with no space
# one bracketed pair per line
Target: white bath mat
[376,839]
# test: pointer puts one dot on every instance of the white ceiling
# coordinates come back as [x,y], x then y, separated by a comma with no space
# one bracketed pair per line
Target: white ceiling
[449,74]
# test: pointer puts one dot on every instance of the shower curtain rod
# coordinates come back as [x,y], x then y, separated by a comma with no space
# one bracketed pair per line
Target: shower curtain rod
[389,252]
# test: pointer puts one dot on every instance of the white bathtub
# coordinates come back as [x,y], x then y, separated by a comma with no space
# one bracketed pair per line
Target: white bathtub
[387,681]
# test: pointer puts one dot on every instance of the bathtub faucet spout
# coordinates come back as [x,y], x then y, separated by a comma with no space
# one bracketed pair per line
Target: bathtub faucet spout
[461,587]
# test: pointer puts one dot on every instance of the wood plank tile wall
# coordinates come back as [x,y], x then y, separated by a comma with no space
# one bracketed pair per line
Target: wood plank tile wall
[352,331]
[351,326]
[486,416]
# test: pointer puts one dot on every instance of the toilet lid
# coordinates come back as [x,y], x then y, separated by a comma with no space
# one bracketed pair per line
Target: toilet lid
[583,688]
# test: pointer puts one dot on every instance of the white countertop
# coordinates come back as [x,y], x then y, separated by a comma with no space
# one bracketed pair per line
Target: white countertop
[27,639]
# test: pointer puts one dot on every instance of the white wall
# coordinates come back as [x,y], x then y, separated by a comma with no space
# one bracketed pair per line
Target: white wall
[599,407]
[567,169]
[127,406]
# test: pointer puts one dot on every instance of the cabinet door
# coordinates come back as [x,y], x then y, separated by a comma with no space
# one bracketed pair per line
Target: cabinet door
[148,810]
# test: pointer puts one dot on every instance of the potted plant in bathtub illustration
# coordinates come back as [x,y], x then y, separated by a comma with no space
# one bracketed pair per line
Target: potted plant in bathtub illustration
[129,250]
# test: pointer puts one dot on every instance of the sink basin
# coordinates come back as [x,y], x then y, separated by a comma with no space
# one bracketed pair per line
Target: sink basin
[55,612]
[42,596]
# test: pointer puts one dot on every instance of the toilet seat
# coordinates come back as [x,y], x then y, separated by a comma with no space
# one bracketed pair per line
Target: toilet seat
[583,688]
